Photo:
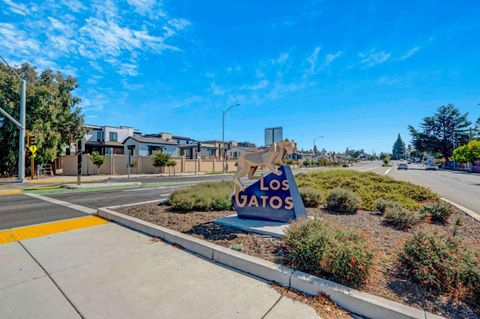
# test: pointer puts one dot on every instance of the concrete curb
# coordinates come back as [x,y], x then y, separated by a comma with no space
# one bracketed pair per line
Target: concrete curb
[357,302]
[465,210]
[102,185]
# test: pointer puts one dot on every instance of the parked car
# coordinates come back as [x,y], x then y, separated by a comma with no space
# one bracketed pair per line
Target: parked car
[430,166]
[409,162]
[402,166]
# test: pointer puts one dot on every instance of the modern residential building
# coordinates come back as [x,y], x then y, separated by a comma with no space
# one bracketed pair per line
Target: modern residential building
[168,137]
[218,147]
[237,151]
[145,146]
[106,139]
[273,135]
[246,144]
[298,155]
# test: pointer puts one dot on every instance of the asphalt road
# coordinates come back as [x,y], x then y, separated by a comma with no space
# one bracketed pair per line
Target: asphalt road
[22,210]
[459,187]
[96,199]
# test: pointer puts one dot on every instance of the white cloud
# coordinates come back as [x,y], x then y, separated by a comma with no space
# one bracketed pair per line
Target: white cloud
[128,68]
[17,8]
[281,59]
[386,80]
[409,53]
[107,38]
[73,5]
[18,41]
[257,86]
[373,58]
[312,61]
[216,90]
[330,57]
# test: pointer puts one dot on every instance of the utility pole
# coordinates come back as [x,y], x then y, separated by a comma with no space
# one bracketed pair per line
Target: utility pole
[20,125]
[222,148]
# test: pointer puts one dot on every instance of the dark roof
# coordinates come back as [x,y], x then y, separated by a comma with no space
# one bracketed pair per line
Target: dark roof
[150,140]
[106,143]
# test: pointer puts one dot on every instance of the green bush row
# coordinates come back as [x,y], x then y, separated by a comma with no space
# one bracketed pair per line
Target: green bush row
[202,197]
[368,187]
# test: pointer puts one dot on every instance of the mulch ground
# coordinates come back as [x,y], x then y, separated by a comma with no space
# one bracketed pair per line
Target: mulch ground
[385,281]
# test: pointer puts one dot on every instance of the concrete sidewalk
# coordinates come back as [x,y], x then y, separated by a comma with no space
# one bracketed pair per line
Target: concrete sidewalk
[108,271]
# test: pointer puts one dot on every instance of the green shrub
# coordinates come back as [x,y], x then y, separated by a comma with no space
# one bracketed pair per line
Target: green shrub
[400,218]
[202,197]
[368,186]
[382,205]
[342,201]
[311,197]
[440,262]
[316,247]
[437,212]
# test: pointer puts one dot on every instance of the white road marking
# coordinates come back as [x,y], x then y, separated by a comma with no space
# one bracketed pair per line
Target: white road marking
[467,211]
[145,189]
[81,208]
[139,203]
[366,169]
[388,171]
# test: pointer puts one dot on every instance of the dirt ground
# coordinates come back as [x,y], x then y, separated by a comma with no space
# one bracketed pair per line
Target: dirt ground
[385,279]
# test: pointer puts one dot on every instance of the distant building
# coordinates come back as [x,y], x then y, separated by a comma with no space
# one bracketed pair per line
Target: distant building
[237,151]
[246,144]
[273,135]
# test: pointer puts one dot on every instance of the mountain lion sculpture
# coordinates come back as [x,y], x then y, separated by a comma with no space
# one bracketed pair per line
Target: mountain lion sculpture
[270,158]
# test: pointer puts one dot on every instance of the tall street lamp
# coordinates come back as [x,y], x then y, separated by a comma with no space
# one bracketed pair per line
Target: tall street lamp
[20,125]
[223,135]
[316,138]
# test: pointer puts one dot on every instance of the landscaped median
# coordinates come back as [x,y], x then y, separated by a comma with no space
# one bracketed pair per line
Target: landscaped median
[370,243]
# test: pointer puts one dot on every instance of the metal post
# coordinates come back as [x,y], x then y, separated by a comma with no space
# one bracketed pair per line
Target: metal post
[79,162]
[21,142]
[129,161]
[223,142]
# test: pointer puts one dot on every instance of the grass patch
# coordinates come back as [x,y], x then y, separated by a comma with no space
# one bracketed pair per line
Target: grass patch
[202,197]
[368,186]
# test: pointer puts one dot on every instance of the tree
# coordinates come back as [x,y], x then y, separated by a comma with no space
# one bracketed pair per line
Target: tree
[468,153]
[399,150]
[52,114]
[441,132]
[160,159]
[172,163]
[97,160]
[383,155]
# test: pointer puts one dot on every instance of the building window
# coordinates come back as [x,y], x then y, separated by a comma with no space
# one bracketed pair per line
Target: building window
[152,149]
[100,137]
[113,136]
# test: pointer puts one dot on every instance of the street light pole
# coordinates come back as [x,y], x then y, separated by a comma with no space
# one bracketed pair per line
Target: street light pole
[222,153]
[20,125]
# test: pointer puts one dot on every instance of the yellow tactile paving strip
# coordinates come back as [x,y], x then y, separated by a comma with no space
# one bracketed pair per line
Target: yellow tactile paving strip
[10,192]
[21,233]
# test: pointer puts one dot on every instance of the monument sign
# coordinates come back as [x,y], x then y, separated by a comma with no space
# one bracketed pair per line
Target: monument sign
[274,197]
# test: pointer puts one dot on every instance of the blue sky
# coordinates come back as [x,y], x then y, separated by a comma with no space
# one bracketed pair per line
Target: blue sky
[357,72]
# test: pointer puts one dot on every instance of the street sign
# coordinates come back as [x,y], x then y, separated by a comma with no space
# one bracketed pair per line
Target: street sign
[33,149]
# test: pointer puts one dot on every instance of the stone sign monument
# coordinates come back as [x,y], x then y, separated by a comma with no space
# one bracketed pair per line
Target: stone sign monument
[274,197]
